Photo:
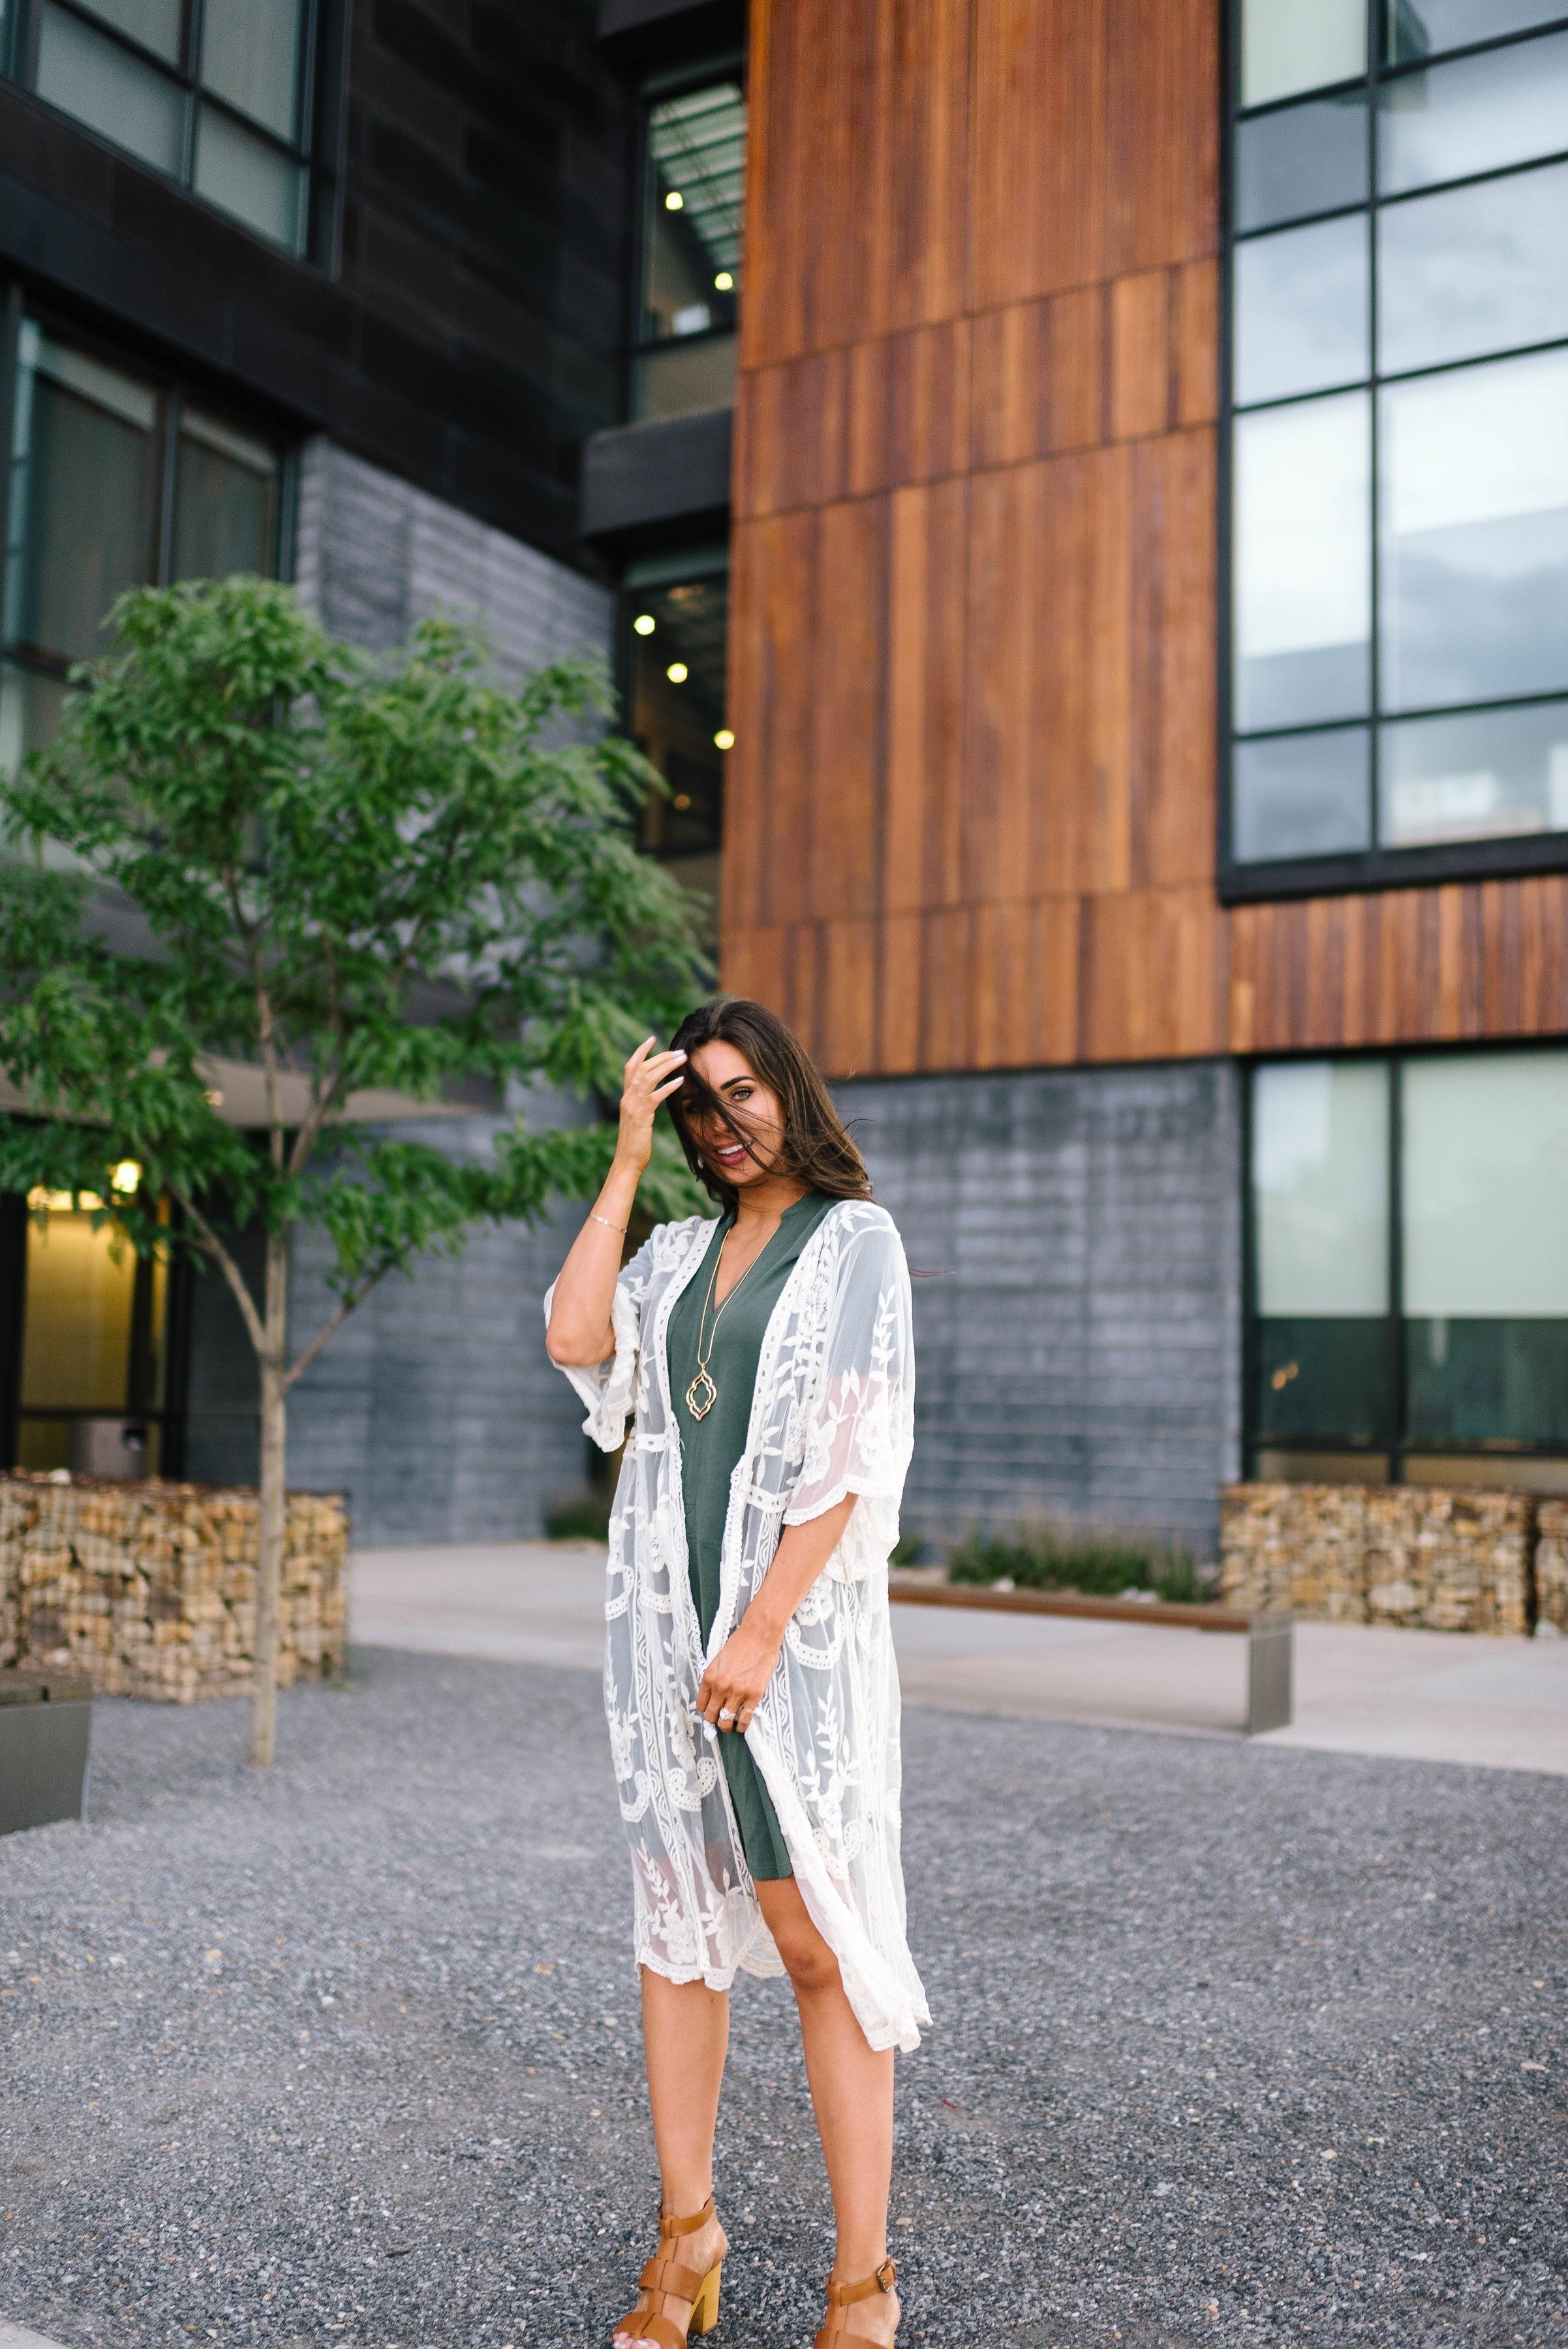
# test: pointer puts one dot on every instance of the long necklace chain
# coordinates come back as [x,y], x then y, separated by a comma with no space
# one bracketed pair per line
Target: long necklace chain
[704,1392]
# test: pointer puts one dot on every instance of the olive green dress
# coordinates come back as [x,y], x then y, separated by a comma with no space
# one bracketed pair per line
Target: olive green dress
[710,1448]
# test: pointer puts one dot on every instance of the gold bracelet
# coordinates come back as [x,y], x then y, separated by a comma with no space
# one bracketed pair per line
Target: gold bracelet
[622,1228]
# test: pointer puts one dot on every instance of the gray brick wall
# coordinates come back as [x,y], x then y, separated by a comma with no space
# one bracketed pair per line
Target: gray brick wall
[435,1407]
[1079,1336]
[373,555]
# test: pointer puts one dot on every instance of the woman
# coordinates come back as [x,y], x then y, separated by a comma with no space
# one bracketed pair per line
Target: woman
[749,1675]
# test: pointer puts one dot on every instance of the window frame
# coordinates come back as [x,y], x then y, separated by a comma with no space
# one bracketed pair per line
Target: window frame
[727,65]
[172,390]
[1375,867]
[320,116]
[1398,1448]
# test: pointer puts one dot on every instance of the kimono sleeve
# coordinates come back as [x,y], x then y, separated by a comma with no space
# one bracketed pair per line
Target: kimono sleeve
[860,1430]
[610,1388]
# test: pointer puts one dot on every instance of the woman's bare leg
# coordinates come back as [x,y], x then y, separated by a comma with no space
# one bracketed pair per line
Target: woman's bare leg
[852,2091]
[685,2033]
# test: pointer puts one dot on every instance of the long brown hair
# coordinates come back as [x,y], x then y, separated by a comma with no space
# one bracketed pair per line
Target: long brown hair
[816,1147]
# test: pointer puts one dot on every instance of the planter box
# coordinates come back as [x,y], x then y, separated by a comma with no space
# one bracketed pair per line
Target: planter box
[1404,1554]
[149,1589]
[45,1731]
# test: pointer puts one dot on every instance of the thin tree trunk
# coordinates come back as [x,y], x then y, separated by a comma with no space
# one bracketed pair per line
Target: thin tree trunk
[269,1558]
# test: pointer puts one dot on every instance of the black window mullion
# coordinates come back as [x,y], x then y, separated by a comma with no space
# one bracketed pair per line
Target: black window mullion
[1377,10]
[193,58]
[1396,1271]
[167,488]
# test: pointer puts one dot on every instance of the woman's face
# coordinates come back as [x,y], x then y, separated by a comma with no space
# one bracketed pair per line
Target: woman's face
[757,1109]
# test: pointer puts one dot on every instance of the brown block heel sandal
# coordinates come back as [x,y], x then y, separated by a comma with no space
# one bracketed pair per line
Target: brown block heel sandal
[665,2273]
[840,2296]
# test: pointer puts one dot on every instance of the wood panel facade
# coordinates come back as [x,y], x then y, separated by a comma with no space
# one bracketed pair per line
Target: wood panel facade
[970,813]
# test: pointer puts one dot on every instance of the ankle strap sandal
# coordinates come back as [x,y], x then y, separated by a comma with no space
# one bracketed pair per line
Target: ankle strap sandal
[665,2273]
[841,2296]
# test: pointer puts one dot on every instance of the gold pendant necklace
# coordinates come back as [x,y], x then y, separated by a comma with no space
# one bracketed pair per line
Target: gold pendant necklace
[704,1392]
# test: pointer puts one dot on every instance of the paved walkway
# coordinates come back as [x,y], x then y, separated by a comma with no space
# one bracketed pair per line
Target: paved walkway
[1430,1696]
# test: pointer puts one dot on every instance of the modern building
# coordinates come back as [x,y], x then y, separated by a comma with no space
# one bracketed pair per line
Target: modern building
[1078,502]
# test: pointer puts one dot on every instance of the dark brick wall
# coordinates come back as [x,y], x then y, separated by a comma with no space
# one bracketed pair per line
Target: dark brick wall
[468,340]
[1078,1333]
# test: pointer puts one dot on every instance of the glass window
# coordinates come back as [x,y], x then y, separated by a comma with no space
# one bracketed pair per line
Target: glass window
[225,501]
[1476,776]
[90,442]
[245,176]
[678,636]
[251,55]
[1287,46]
[84,517]
[1455,505]
[157,25]
[1302,794]
[1475,533]
[1302,310]
[1483,1179]
[1303,563]
[1416,28]
[694,215]
[110,90]
[1473,270]
[1478,114]
[1435,1237]
[1320,1176]
[1301,160]
[132,70]
[94,1351]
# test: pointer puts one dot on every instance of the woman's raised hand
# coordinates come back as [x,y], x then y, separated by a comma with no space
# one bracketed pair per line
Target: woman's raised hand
[649,1078]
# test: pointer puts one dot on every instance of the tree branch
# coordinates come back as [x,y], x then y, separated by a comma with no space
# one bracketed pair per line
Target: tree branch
[214,1246]
[333,1323]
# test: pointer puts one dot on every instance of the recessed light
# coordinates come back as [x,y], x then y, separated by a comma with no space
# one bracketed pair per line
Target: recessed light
[724,282]
[674,201]
[677,672]
[723,739]
[643,623]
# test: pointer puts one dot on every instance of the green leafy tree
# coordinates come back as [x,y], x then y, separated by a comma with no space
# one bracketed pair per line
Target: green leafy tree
[351,875]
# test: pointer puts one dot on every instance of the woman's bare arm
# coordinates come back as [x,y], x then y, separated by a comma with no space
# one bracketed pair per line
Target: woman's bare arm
[580,1331]
[744,1664]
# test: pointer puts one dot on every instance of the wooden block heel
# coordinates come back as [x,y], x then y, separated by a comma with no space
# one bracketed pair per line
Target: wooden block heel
[664,2273]
[705,2307]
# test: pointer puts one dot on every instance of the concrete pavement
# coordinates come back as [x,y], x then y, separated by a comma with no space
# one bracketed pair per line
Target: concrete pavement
[1430,1696]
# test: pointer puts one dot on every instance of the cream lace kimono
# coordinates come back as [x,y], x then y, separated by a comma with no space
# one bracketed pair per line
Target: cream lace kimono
[833,1414]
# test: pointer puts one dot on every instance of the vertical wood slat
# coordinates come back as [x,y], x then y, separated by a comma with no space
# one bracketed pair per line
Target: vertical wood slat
[970,818]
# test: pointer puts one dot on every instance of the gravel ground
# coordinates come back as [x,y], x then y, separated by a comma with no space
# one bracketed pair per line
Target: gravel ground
[1233,2046]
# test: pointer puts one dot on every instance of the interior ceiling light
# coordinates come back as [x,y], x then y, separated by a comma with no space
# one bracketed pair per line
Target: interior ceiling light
[674,201]
[723,739]
[677,672]
[643,623]
[724,282]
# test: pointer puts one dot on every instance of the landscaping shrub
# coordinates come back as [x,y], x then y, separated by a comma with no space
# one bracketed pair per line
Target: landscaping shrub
[1052,1558]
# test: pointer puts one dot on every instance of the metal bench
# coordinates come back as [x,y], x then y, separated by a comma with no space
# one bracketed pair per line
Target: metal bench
[1271,1648]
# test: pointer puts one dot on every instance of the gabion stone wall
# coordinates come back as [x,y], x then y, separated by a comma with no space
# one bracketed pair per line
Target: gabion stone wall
[150,1587]
[1401,1554]
[1551,1563]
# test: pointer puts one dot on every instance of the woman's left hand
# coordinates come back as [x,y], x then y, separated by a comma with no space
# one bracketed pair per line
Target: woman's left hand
[734,1682]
